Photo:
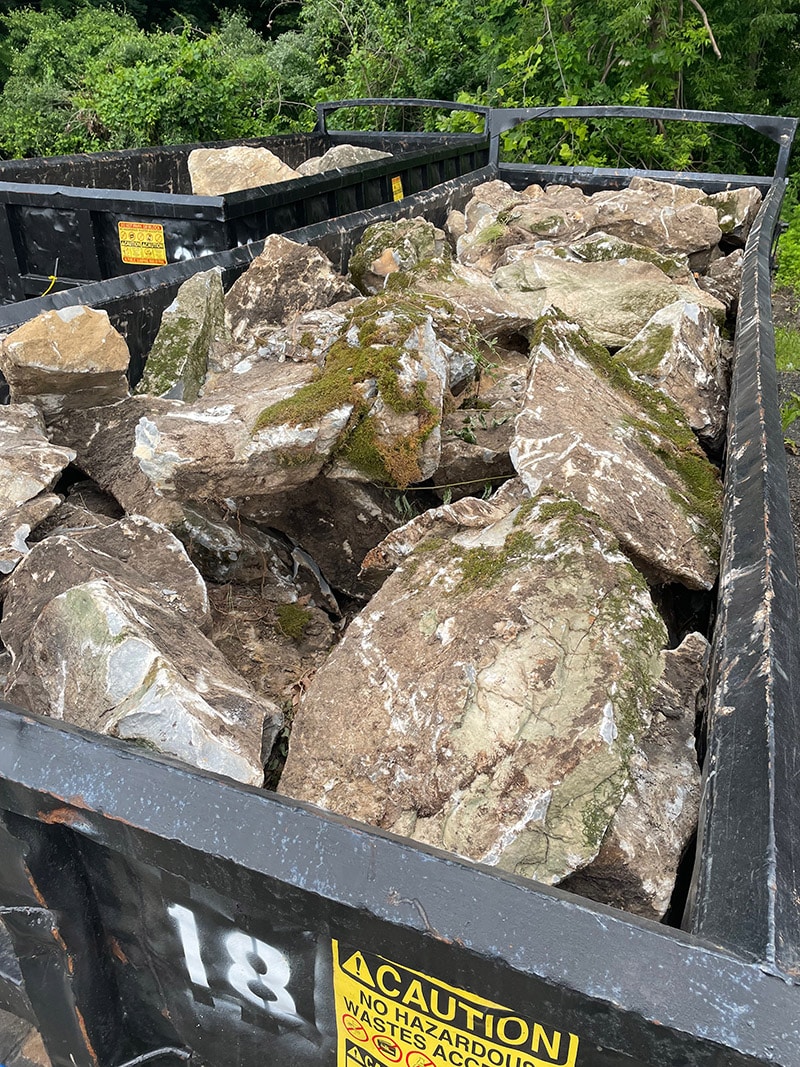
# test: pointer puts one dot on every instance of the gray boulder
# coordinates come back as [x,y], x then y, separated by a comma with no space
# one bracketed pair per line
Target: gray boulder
[497,686]
[191,327]
[388,247]
[339,157]
[611,300]
[723,279]
[490,199]
[679,351]
[29,467]
[592,431]
[603,246]
[284,279]
[637,865]
[105,628]
[736,211]
[659,215]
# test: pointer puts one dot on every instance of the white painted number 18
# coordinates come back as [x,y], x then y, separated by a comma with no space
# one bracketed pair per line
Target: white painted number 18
[263,989]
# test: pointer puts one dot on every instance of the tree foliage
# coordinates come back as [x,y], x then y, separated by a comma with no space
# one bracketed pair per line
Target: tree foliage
[79,75]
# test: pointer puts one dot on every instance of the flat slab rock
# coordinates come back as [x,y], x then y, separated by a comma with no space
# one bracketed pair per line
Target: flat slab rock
[496,687]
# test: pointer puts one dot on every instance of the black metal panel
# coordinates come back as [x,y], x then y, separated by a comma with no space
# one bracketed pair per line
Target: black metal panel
[747,879]
[193,875]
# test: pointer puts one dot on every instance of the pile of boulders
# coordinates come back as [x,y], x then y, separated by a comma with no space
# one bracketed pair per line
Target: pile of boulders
[216,171]
[436,514]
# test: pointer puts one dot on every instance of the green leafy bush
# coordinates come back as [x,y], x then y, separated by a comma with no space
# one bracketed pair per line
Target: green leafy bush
[788,273]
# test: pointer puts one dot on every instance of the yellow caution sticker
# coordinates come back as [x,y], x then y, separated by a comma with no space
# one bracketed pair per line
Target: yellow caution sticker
[397,188]
[142,243]
[388,1014]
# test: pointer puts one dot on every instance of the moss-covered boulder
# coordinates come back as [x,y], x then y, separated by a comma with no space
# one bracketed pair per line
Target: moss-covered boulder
[389,370]
[594,431]
[603,246]
[190,326]
[497,686]
[388,247]
[679,351]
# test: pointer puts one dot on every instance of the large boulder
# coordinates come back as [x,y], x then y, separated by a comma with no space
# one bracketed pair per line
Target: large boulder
[134,551]
[284,279]
[592,431]
[29,467]
[558,213]
[191,328]
[216,171]
[669,218]
[679,351]
[103,441]
[104,625]
[611,300]
[495,313]
[69,358]
[490,199]
[603,246]
[339,157]
[497,686]
[387,375]
[723,279]
[637,865]
[736,211]
[387,247]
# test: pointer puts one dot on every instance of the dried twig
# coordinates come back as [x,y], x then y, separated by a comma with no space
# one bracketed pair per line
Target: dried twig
[707,25]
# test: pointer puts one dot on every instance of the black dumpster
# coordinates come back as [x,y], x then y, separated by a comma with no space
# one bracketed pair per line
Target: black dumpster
[72,219]
[155,912]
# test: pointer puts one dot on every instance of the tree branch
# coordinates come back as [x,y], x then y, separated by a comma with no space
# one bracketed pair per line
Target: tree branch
[717,52]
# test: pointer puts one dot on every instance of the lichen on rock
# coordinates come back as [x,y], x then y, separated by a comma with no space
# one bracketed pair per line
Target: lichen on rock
[498,683]
[593,430]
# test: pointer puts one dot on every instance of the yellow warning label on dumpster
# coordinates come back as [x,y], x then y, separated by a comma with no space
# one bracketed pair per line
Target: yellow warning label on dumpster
[143,243]
[397,188]
[388,1014]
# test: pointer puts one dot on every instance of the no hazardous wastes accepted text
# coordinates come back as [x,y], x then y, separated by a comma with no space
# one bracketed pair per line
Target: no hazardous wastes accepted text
[389,1014]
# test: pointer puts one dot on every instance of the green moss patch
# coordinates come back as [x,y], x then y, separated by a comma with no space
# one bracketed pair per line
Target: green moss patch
[375,355]
[644,356]
[292,620]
